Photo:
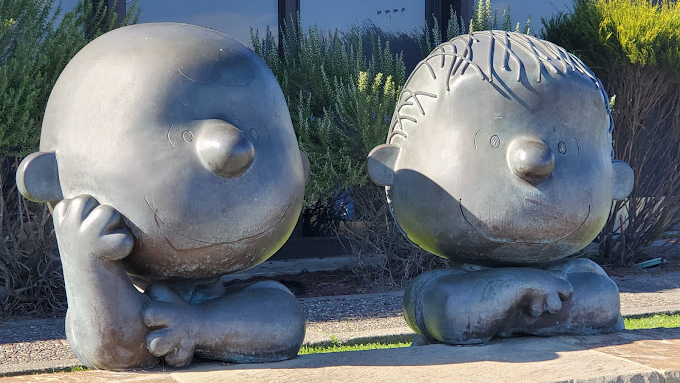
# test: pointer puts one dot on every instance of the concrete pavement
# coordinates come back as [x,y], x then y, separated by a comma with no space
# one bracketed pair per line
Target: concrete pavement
[631,356]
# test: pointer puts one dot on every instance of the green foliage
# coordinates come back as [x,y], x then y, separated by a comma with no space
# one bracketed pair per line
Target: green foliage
[36,48]
[341,89]
[341,94]
[340,347]
[483,19]
[430,39]
[654,321]
[602,32]
[453,27]
[644,32]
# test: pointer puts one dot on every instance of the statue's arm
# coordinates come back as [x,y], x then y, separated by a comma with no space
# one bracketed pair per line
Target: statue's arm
[104,321]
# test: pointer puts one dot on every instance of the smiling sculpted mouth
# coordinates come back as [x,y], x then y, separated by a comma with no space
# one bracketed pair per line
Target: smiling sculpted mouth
[159,222]
[462,211]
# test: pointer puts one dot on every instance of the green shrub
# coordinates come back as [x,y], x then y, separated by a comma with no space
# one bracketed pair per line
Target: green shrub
[483,19]
[633,46]
[37,44]
[339,99]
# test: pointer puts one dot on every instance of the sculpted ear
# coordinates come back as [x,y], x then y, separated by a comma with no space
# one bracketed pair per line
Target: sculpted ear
[381,162]
[624,179]
[38,178]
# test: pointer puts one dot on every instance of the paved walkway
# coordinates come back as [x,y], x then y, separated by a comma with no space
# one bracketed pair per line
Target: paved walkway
[39,345]
[626,357]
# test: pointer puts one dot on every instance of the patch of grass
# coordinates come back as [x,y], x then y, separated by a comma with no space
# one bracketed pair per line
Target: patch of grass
[654,321]
[647,322]
[338,347]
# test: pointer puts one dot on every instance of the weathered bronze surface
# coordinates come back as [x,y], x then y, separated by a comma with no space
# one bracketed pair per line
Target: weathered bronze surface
[500,154]
[168,153]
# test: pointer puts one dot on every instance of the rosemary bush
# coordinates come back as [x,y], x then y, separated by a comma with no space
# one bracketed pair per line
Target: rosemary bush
[340,98]
[633,46]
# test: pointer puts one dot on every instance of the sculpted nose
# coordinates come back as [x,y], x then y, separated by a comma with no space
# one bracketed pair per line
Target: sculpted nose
[531,159]
[224,149]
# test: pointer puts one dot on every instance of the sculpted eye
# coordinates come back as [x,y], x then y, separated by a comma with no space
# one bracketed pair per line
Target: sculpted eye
[187,136]
[495,141]
[562,147]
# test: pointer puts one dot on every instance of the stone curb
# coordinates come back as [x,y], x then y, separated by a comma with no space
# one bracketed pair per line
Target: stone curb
[49,366]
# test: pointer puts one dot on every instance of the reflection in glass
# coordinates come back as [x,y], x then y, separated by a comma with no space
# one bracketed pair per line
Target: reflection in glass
[234,18]
[521,9]
[389,15]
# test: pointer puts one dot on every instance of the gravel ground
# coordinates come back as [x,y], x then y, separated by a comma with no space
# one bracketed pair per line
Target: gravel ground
[40,340]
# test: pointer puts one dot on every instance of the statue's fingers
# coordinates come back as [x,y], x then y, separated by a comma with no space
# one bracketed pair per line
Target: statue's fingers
[162,341]
[80,207]
[59,212]
[103,219]
[159,314]
[116,245]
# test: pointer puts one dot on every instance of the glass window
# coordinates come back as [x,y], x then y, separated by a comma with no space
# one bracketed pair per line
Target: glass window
[234,18]
[389,15]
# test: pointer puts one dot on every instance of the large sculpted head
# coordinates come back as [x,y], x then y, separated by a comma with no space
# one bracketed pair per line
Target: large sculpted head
[186,132]
[500,152]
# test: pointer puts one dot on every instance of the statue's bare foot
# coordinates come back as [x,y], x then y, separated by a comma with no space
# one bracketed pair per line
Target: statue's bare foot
[466,308]
[259,322]
[593,309]
[174,326]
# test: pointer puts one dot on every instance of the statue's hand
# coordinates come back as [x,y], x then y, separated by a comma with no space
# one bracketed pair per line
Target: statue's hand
[174,326]
[87,230]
